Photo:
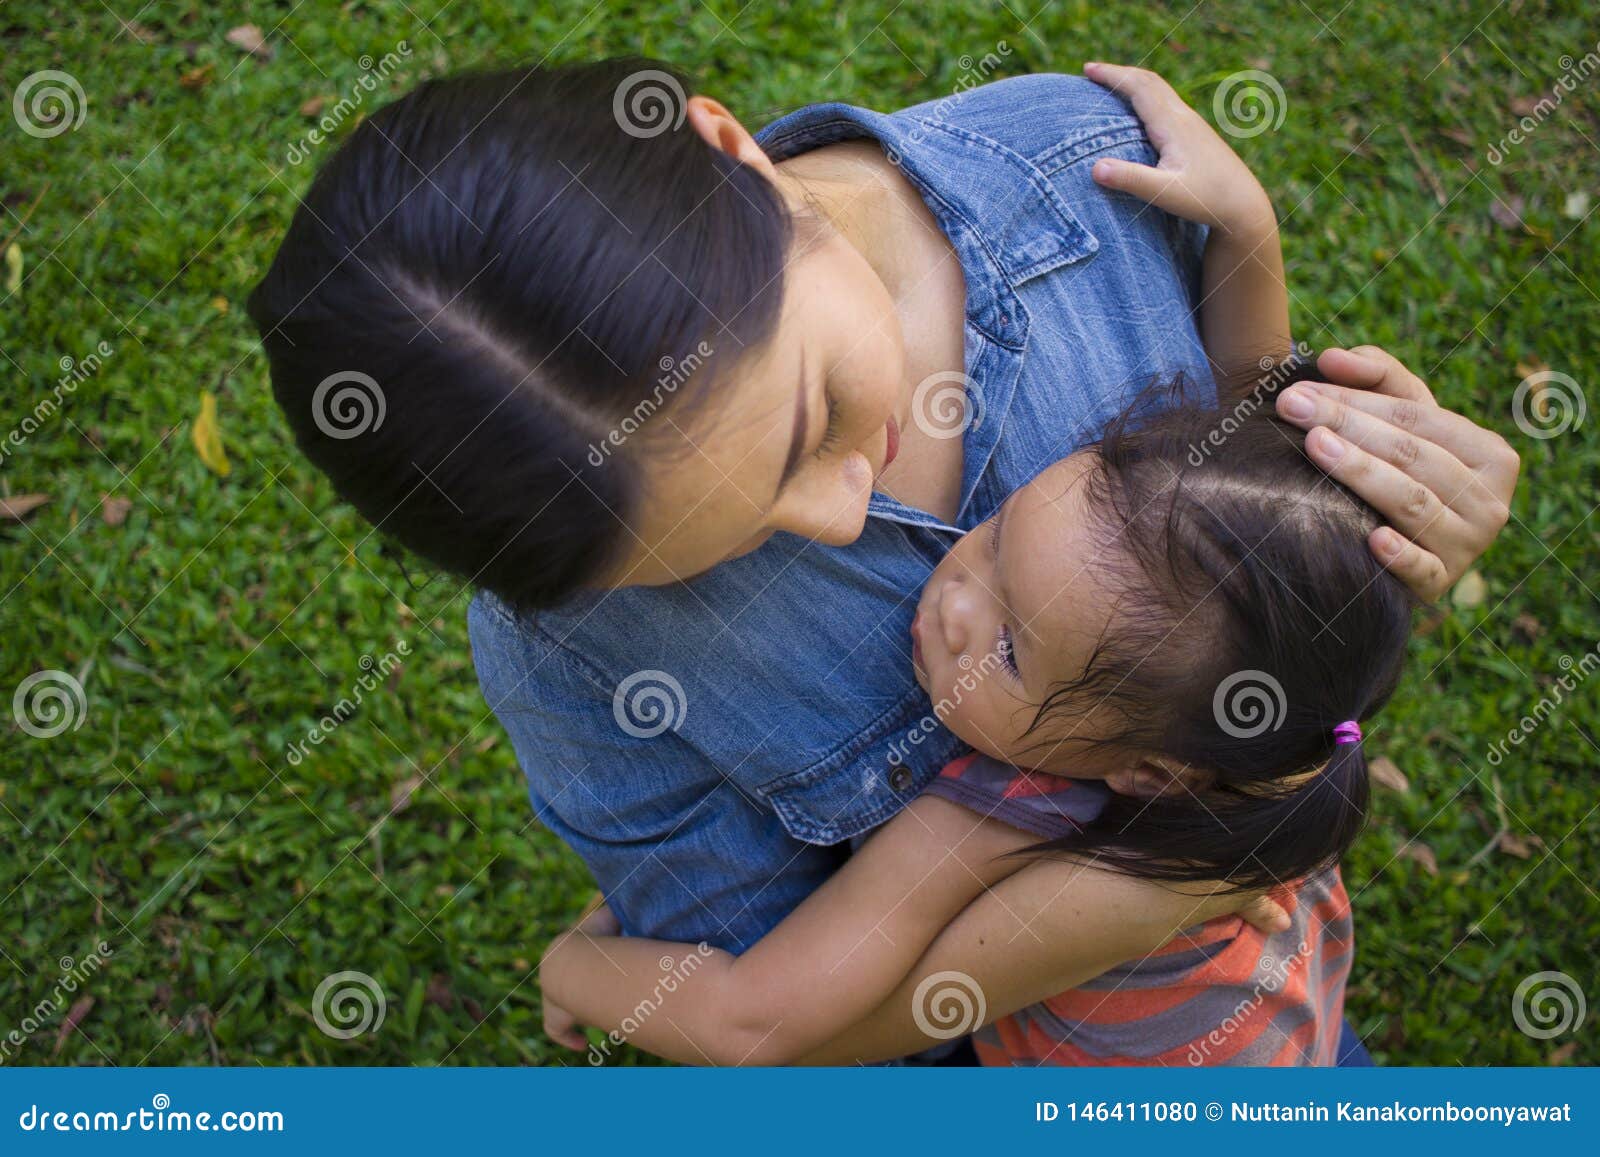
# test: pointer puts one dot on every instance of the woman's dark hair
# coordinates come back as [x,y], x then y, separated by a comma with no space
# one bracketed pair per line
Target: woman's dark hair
[1257,621]
[488,280]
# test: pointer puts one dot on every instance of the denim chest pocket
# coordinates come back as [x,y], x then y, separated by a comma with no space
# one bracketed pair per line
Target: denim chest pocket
[867,780]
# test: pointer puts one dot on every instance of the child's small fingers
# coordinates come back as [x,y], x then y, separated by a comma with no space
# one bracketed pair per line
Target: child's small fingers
[1146,182]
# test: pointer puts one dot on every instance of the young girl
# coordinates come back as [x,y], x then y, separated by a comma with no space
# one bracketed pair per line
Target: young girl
[1178,632]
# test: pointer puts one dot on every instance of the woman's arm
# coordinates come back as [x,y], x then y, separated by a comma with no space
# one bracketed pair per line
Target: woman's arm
[823,968]
[1244,306]
[1048,928]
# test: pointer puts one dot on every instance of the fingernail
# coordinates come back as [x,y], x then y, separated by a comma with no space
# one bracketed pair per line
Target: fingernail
[1332,445]
[1298,404]
[1103,169]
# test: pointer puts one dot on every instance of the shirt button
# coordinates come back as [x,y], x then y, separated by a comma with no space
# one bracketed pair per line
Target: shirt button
[900,778]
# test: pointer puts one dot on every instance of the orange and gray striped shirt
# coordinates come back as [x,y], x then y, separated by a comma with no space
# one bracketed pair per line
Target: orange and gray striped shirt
[1221,993]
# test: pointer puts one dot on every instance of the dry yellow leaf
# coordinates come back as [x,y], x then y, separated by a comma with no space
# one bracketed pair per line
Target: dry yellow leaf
[208,436]
[13,268]
[1470,591]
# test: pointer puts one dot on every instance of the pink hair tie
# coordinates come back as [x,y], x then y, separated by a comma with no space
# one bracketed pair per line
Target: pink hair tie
[1347,732]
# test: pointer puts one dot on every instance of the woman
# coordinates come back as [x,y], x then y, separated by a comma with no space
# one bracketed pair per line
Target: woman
[610,356]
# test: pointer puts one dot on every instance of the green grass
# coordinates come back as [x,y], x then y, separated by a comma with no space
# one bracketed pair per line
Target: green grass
[227,614]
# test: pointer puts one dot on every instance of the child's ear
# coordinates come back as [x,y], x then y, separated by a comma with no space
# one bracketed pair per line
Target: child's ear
[1157,776]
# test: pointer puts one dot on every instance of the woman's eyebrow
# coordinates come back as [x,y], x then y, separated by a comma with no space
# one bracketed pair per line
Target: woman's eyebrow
[797,440]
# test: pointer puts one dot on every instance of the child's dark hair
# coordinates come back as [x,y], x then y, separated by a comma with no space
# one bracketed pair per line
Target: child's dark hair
[1261,622]
[505,270]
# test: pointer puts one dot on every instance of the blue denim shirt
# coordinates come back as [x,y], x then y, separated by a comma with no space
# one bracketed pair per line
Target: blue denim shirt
[787,717]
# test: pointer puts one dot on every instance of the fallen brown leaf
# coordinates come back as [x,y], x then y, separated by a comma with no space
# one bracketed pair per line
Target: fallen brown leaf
[248,38]
[194,79]
[80,1009]
[114,511]
[400,794]
[1386,773]
[19,506]
[439,992]
[1422,854]
[1507,213]
[312,108]
[1513,845]
[1527,627]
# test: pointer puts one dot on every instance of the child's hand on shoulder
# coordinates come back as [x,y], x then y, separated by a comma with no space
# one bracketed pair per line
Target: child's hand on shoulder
[1198,177]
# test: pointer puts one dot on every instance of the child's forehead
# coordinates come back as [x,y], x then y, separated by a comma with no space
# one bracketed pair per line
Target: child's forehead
[1058,571]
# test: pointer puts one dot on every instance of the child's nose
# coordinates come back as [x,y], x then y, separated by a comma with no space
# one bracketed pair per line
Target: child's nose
[955,610]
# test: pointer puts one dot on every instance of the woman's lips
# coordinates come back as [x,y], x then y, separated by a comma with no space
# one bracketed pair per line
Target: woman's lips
[892,446]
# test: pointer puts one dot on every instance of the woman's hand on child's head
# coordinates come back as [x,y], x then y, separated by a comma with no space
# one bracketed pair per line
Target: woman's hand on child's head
[1443,482]
[1198,177]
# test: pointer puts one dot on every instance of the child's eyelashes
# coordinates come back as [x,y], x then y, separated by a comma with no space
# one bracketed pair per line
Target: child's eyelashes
[1007,652]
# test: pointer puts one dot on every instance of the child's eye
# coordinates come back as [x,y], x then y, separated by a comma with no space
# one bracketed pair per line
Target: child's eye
[1007,653]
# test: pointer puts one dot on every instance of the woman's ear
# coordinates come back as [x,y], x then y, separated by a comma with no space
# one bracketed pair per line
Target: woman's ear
[1157,776]
[720,129]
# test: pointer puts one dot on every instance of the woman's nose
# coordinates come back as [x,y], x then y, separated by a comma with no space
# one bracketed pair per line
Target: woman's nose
[955,610]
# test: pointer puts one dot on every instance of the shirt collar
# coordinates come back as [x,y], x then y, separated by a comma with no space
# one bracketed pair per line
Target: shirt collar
[976,187]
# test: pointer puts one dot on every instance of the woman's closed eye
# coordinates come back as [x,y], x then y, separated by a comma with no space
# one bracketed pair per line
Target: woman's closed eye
[830,434]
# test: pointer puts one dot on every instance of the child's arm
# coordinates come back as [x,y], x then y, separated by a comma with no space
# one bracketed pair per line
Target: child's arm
[1244,309]
[1050,927]
[825,967]
[816,979]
